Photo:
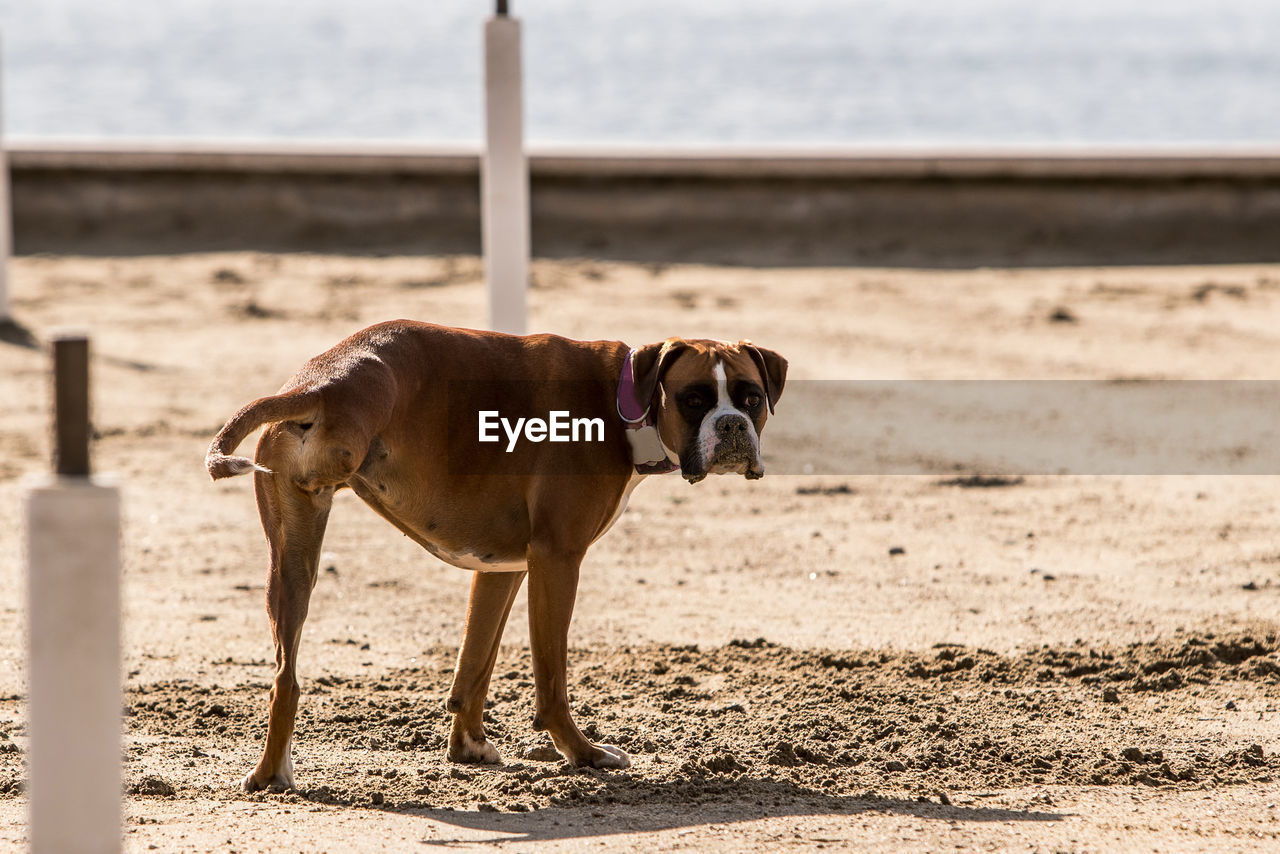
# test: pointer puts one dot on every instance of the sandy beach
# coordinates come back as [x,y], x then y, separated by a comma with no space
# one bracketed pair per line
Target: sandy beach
[881,663]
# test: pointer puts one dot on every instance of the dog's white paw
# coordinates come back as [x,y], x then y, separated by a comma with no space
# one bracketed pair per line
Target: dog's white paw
[464,748]
[614,757]
[486,754]
[282,780]
[275,784]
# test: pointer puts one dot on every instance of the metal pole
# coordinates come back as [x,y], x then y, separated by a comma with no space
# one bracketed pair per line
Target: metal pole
[73,607]
[505,176]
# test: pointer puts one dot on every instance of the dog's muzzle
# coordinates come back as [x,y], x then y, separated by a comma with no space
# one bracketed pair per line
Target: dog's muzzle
[735,451]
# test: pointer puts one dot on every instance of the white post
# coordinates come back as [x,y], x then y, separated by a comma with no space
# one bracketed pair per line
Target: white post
[73,574]
[505,176]
[6,228]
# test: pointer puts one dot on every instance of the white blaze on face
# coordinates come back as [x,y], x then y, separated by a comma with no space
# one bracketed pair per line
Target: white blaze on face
[707,439]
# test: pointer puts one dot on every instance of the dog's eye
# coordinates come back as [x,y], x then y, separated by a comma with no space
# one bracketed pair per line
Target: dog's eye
[752,400]
[693,401]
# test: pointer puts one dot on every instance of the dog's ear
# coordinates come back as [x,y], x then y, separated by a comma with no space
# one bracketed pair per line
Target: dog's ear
[773,370]
[649,363]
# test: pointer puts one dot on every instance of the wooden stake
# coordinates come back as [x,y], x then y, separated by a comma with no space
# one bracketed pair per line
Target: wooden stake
[73,607]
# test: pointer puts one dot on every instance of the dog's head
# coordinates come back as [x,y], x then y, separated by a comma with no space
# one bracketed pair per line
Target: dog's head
[712,400]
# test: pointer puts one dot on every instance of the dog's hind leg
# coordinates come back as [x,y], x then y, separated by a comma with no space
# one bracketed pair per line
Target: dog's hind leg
[294,520]
[300,466]
[492,594]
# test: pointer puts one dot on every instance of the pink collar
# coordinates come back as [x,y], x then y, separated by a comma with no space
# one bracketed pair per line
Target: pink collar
[647,451]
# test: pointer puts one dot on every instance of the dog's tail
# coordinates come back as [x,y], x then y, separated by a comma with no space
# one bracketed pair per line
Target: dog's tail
[291,405]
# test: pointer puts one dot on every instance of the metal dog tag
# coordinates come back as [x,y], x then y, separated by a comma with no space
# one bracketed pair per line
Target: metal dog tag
[646,446]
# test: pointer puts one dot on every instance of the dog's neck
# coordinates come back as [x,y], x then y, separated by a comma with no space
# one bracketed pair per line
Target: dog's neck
[647,451]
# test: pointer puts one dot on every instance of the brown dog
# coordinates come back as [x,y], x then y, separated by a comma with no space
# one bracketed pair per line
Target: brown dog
[470,443]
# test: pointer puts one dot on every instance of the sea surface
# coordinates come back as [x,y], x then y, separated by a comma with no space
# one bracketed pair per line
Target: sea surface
[916,72]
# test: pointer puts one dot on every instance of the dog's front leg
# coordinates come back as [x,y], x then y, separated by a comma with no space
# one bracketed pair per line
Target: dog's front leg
[491,596]
[553,586]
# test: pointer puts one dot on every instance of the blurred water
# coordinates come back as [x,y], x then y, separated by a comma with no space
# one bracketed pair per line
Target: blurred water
[639,71]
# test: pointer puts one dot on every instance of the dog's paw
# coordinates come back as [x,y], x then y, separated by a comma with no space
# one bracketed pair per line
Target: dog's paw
[614,757]
[275,784]
[464,748]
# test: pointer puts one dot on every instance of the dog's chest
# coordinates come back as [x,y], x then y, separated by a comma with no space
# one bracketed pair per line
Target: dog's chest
[622,504]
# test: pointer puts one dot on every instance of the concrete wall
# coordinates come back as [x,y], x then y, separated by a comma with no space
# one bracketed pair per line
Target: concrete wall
[956,208]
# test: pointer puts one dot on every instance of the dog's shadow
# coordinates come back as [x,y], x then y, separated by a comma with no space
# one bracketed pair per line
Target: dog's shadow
[668,806]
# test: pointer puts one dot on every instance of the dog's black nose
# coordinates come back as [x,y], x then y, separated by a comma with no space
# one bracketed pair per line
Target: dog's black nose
[728,426]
